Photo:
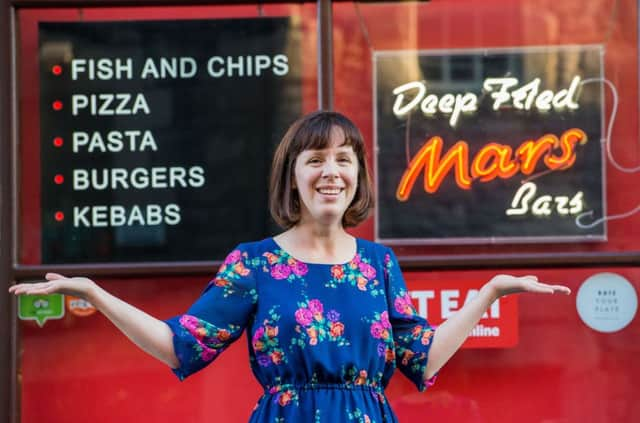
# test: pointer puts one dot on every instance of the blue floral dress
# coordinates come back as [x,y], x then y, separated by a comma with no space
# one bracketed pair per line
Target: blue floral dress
[324,339]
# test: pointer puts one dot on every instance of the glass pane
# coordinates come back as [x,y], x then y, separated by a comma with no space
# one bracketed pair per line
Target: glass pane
[156,127]
[495,81]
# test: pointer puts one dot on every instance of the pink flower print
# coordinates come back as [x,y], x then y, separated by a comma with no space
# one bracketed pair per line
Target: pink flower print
[377,330]
[304,316]
[208,354]
[384,319]
[403,305]
[258,333]
[315,306]
[299,268]
[280,271]
[367,270]
[233,257]
[189,322]
[387,261]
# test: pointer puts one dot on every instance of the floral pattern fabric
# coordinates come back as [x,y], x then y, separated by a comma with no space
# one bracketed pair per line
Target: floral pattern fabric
[324,339]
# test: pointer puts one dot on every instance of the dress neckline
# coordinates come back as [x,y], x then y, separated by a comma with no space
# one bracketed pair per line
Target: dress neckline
[276,245]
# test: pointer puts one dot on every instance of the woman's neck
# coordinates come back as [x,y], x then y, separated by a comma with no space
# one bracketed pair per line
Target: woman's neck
[319,244]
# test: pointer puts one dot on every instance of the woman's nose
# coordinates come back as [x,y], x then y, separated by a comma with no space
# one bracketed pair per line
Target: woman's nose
[330,168]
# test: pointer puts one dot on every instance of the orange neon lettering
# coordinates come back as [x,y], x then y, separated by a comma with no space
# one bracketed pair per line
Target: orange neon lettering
[531,151]
[435,169]
[501,163]
[568,142]
[493,160]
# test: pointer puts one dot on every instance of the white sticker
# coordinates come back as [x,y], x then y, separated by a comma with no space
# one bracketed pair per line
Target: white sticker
[606,302]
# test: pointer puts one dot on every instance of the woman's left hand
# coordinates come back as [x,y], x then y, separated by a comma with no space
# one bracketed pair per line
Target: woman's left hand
[501,285]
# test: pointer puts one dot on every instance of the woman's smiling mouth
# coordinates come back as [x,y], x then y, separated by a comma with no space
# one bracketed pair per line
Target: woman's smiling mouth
[329,190]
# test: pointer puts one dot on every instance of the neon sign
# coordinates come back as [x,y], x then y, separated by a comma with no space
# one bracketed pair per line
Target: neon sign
[492,161]
[489,145]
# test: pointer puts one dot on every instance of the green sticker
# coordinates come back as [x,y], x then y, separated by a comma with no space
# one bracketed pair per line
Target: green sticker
[41,307]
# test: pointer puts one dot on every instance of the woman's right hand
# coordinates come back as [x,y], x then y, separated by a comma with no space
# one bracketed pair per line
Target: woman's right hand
[152,335]
[57,284]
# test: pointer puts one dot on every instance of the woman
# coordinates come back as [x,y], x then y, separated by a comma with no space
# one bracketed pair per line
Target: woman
[328,316]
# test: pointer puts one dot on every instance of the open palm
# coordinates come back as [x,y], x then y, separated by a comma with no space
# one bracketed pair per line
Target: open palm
[55,284]
[507,284]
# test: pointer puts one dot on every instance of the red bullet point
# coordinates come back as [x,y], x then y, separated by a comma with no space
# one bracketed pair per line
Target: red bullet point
[58,179]
[58,141]
[57,105]
[56,70]
[59,216]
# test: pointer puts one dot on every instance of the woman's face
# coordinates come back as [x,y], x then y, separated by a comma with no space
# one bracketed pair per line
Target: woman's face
[326,180]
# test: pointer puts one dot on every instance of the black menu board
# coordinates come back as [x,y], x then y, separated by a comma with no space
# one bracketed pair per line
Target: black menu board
[489,145]
[157,136]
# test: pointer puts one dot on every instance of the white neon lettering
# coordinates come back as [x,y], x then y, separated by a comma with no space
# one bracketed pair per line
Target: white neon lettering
[430,104]
[545,205]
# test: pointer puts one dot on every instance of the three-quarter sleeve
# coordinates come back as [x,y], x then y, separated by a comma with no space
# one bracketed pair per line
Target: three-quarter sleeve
[412,334]
[218,317]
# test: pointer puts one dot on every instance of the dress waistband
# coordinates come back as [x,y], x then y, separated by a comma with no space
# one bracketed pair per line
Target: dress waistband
[371,387]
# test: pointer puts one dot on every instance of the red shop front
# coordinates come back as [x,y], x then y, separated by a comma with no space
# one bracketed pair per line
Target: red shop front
[503,139]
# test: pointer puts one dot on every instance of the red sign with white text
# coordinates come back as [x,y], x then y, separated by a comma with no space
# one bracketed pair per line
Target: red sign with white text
[438,300]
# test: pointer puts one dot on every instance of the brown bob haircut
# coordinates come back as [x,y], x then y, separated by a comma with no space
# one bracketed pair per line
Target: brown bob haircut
[313,132]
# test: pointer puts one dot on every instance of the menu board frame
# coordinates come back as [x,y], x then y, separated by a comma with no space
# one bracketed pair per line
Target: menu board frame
[28,259]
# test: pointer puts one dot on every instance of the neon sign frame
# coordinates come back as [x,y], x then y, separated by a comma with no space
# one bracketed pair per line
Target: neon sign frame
[453,170]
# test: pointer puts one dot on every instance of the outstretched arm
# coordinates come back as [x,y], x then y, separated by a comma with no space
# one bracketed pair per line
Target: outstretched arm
[150,334]
[450,335]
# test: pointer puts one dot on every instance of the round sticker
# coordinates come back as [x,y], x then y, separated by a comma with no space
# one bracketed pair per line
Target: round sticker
[606,302]
[79,307]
